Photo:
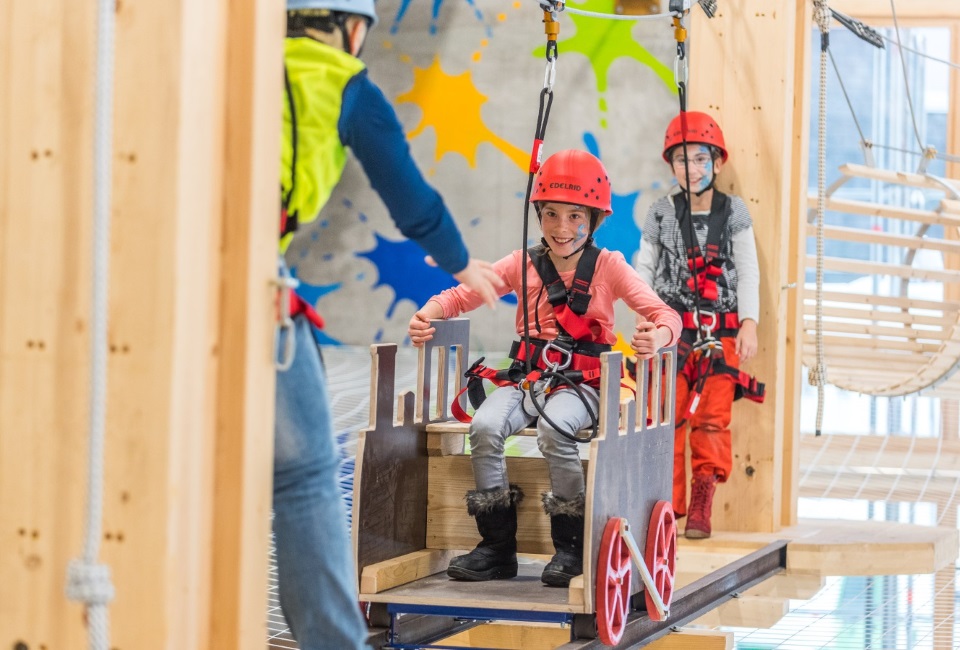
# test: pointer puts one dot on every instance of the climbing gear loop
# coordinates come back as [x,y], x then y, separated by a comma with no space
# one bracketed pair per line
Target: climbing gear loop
[283,334]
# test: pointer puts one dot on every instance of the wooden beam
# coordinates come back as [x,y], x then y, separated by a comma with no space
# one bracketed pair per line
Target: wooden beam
[691,639]
[792,290]
[930,11]
[865,208]
[748,84]
[248,262]
[840,233]
[169,191]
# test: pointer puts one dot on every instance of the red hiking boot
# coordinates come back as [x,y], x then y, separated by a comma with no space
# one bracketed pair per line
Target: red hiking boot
[701,502]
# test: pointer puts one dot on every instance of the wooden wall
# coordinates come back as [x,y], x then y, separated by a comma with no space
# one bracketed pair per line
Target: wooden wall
[189,413]
[742,71]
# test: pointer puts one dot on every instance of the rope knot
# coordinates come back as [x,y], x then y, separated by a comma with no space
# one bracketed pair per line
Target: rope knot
[822,15]
[817,375]
[89,583]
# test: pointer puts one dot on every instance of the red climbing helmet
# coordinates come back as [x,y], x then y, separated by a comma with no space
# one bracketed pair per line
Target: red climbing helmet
[573,176]
[701,129]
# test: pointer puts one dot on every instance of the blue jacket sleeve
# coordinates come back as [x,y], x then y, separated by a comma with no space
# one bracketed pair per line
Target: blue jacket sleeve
[369,126]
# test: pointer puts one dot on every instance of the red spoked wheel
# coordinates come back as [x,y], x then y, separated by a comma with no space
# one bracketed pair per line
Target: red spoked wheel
[613,584]
[661,555]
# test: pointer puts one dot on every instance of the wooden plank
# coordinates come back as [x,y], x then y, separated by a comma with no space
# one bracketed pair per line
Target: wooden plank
[44,323]
[450,527]
[525,592]
[900,302]
[747,611]
[895,333]
[930,11]
[748,85]
[872,548]
[693,639]
[841,343]
[863,267]
[842,233]
[884,316]
[529,636]
[864,208]
[401,570]
[794,585]
[890,176]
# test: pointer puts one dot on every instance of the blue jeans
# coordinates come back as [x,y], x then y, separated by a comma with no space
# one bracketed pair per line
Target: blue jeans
[317,581]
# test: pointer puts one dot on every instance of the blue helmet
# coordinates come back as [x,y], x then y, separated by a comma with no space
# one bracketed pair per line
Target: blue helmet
[364,8]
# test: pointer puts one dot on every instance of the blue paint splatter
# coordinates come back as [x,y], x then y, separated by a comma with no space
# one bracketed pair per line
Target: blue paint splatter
[435,16]
[312,293]
[401,267]
[619,231]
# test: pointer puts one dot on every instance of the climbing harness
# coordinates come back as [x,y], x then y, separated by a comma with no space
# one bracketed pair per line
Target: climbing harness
[87,580]
[541,366]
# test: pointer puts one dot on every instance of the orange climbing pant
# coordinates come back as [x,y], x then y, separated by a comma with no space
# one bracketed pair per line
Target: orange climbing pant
[709,426]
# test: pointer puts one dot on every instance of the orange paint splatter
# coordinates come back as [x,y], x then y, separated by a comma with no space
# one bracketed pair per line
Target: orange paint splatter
[451,105]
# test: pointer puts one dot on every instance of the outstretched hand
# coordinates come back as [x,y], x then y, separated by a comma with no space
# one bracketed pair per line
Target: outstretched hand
[481,278]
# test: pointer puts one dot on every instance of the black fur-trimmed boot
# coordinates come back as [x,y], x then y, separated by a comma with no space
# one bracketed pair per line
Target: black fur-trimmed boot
[495,557]
[566,529]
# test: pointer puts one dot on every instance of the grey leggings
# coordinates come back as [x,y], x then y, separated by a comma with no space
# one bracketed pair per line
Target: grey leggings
[502,415]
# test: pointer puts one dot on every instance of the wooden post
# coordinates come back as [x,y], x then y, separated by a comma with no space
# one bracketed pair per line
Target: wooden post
[193,245]
[742,71]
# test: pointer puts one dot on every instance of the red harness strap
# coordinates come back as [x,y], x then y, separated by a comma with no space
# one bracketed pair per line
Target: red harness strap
[300,306]
[582,369]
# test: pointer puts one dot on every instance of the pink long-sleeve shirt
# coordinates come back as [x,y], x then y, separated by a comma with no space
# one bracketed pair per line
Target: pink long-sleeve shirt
[613,279]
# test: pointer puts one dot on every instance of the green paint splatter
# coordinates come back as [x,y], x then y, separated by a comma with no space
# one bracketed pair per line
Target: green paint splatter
[604,41]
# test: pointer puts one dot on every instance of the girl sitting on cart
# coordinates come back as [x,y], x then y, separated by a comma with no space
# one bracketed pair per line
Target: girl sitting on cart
[565,322]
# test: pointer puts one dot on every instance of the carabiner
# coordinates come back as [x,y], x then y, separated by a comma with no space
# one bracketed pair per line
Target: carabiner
[556,366]
[285,283]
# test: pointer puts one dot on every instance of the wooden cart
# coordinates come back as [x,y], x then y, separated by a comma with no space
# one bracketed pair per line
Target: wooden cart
[410,519]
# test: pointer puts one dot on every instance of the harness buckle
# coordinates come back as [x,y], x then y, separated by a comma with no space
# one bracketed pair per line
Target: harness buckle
[705,326]
[283,332]
[556,366]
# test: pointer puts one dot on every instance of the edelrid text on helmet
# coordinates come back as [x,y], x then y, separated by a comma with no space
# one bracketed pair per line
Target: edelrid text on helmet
[573,176]
[701,129]
[365,8]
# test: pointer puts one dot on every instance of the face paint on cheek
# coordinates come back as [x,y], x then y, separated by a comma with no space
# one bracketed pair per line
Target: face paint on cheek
[707,177]
[581,233]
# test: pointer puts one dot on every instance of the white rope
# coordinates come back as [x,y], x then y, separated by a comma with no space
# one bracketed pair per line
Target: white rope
[87,580]
[818,374]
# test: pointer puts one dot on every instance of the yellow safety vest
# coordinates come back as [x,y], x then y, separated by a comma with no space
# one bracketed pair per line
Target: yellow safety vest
[317,74]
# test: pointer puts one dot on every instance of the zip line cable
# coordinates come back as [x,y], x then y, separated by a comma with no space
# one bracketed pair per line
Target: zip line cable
[906,78]
[87,580]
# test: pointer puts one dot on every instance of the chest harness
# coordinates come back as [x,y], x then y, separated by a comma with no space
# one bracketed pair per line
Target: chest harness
[571,359]
[700,350]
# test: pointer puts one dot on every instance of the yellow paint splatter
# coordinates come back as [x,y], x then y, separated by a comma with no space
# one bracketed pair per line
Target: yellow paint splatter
[501,17]
[476,57]
[451,105]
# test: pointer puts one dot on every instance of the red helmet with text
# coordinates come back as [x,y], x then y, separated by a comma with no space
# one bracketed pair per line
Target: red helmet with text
[577,177]
[701,129]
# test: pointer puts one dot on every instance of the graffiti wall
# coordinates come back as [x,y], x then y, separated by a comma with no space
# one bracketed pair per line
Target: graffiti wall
[465,77]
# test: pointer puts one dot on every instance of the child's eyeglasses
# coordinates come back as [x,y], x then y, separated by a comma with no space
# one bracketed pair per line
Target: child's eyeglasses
[700,160]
